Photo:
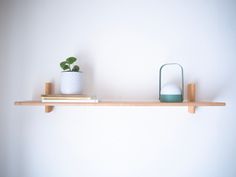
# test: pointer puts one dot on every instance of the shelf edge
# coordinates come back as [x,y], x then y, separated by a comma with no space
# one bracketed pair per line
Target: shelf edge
[118,103]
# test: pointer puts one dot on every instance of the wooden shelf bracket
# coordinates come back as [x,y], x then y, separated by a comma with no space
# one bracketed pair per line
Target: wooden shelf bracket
[48,90]
[191,96]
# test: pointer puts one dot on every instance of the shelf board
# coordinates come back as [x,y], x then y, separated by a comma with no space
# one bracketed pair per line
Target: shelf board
[117,103]
[191,103]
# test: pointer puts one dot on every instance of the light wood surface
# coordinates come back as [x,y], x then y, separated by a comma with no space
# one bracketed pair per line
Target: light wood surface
[191,103]
[48,90]
[191,95]
[118,103]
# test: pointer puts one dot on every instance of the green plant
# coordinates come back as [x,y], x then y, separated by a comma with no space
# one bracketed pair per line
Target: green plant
[68,65]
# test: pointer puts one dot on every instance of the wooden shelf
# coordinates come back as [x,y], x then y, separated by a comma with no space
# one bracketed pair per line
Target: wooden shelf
[117,103]
[191,103]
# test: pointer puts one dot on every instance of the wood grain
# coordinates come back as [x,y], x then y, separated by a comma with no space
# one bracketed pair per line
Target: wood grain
[191,95]
[48,90]
[119,103]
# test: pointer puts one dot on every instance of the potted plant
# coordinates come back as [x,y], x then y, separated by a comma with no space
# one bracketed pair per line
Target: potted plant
[70,77]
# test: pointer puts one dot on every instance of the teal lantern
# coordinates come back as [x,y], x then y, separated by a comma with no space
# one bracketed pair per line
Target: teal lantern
[171,92]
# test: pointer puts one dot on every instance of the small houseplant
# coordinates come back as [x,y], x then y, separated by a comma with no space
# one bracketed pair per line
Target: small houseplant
[71,82]
[67,65]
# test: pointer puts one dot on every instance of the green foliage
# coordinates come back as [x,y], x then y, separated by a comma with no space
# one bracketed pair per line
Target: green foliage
[71,60]
[64,65]
[67,65]
[75,68]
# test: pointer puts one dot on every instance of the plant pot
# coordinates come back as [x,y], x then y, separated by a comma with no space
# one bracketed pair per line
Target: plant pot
[71,82]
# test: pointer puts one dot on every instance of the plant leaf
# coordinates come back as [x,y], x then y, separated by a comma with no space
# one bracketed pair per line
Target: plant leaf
[71,60]
[64,65]
[76,68]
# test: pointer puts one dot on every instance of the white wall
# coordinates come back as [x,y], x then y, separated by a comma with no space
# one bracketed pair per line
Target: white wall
[120,46]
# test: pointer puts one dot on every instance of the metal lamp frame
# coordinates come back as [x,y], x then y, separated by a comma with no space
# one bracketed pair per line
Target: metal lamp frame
[182,75]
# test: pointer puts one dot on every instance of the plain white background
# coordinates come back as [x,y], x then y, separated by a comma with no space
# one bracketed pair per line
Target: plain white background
[120,46]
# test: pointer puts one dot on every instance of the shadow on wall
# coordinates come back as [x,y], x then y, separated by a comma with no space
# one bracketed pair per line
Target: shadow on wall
[204,92]
[87,67]
[213,93]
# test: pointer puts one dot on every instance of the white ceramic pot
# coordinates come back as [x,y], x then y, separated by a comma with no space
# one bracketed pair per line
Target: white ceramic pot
[71,82]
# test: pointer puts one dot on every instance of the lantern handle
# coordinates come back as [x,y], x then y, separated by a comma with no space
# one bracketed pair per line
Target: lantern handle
[182,75]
